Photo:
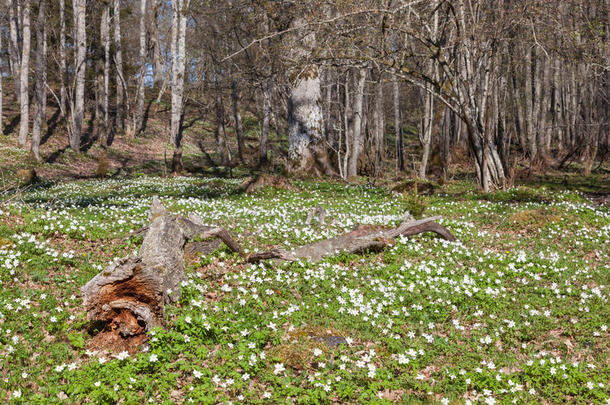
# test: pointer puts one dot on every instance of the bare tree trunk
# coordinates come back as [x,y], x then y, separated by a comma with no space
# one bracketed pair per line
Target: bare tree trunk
[348,122]
[1,90]
[14,45]
[557,114]
[263,158]
[24,124]
[105,38]
[429,106]
[118,61]
[63,93]
[400,160]
[41,79]
[137,121]
[538,113]
[156,45]
[327,106]
[307,150]
[307,147]
[239,130]
[219,133]
[378,117]
[178,55]
[426,139]
[79,69]
[544,132]
[352,167]
[529,108]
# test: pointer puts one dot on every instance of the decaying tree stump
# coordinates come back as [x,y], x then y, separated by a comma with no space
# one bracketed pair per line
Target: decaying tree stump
[129,296]
[362,238]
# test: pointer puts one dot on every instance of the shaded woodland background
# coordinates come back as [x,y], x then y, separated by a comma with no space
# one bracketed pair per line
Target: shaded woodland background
[335,88]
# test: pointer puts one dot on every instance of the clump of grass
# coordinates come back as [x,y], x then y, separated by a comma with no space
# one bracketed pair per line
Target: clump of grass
[27,176]
[415,186]
[516,195]
[534,218]
[415,204]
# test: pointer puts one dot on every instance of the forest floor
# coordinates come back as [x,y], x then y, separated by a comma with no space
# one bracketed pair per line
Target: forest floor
[515,311]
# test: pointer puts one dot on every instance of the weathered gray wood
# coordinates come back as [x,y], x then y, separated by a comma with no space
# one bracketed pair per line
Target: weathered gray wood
[129,296]
[80,65]
[24,76]
[363,238]
[40,95]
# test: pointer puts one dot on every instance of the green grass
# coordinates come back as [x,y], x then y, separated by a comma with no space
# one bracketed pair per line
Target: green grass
[516,311]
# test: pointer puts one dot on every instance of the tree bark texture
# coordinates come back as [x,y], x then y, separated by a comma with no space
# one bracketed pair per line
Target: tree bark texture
[80,66]
[137,122]
[40,103]
[239,129]
[24,123]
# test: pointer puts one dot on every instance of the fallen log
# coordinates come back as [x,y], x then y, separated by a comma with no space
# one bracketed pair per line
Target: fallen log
[128,298]
[362,238]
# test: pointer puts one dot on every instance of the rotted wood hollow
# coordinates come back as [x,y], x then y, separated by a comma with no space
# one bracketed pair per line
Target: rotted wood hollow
[129,296]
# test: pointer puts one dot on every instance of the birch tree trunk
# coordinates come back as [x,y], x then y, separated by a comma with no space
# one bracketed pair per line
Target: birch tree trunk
[137,121]
[24,77]
[41,79]
[239,130]
[79,69]
[105,38]
[178,54]
[118,62]
[263,155]
[14,45]
[352,168]
[348,123]
[63,94]
[156,45]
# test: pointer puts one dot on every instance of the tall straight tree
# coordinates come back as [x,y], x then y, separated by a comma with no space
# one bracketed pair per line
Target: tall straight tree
[400,159]
[263,154]
[137,119]
[40,104]
[239,130]
[105,37]
[24,123]
[63,93]
[178,56]
[118,63]
[356,141]
[80,41]
[308,152]
[1,94]
[14,46]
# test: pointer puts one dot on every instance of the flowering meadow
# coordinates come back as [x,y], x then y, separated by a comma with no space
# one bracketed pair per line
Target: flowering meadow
[516,311]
